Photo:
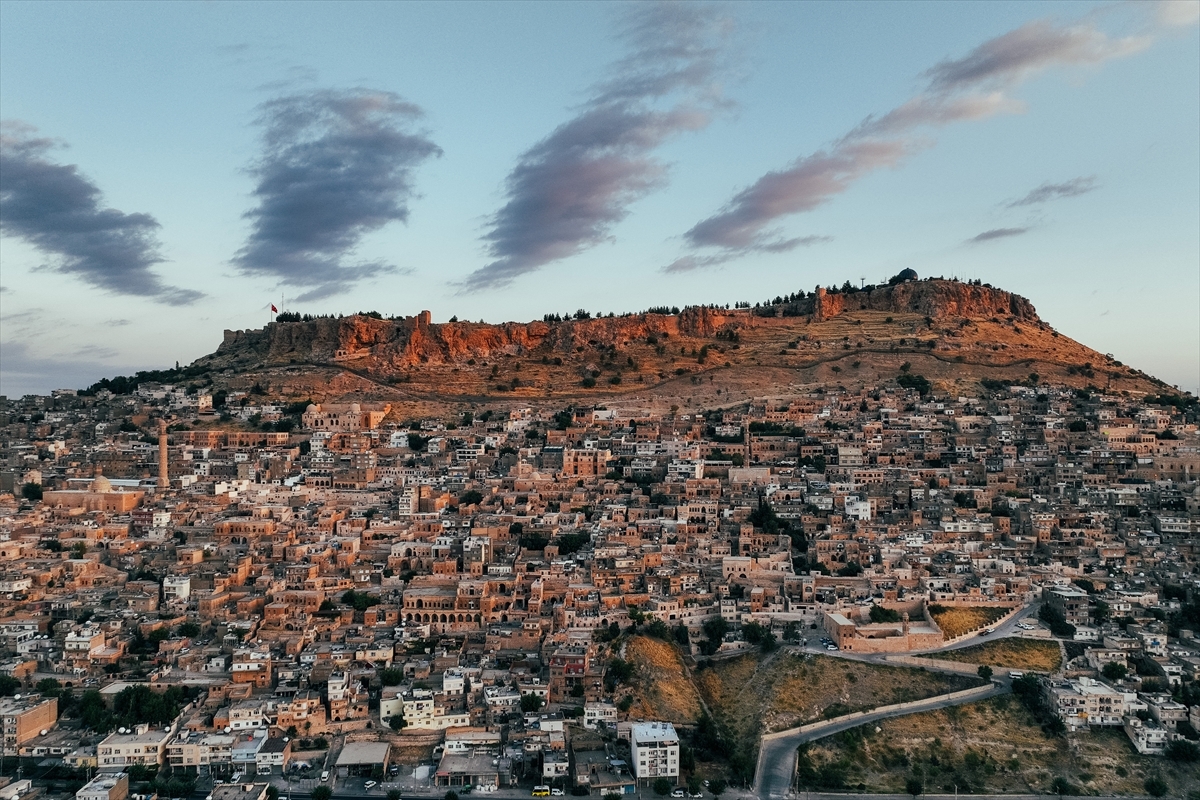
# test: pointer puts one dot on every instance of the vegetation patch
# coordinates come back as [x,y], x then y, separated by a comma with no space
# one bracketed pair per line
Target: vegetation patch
[958,620]
[1022,654]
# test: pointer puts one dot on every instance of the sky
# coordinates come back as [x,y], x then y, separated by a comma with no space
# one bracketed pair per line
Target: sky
[170,170]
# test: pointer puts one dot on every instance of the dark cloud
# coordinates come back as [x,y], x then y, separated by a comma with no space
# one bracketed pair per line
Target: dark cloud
[961,90]
[808,183]
[336,165]
[1055,191]
[59,211]
[568,191]
[997,233]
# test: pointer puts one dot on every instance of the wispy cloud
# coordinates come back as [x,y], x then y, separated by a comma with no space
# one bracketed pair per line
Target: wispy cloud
[568,191]
[60,212]
[336,165]
[691,263]
[24,371]
[957,90]
[997,233]
[1055,191]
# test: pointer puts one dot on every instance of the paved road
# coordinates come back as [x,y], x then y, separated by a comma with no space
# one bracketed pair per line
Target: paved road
[777,757]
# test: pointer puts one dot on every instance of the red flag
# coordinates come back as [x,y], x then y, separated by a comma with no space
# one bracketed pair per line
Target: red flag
[274,310]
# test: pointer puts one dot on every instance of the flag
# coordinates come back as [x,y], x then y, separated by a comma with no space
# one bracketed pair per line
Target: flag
[274,310]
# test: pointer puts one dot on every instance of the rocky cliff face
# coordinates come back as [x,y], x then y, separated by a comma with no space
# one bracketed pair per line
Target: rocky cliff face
[934,298]
[410,341]
[397,344]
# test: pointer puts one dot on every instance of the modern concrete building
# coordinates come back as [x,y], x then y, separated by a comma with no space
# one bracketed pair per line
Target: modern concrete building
[655,750]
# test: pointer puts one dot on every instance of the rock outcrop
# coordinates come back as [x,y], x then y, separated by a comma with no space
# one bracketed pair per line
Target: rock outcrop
[410,341]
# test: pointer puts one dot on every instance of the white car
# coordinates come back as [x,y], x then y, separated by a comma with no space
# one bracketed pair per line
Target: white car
[556,792]
[831,647]
[678,793]
[370,784]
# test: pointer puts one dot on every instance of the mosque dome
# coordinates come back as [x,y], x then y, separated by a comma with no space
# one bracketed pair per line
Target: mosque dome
[101,484]
[355,408]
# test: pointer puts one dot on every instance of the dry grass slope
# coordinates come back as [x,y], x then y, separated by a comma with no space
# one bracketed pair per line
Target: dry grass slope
[752,695]
[661,689]
[994,745]
[957,621]
[1022,654]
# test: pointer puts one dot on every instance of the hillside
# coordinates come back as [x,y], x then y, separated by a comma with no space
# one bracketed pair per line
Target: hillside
[953,333]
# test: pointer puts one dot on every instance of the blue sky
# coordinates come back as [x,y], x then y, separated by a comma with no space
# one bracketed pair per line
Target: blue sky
[171,169]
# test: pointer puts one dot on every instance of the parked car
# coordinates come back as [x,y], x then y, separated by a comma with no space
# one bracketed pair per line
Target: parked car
[370,784]
[679,793]
[556,792]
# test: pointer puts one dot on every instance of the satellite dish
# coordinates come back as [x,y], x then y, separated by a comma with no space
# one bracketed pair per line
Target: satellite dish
[16,697]
[228,729]
[44,732]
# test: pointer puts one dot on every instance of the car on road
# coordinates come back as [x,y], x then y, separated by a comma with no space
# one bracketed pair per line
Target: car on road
[541,791]
[370,784]
[831,647]
[695,795]
[678,793]
[1016,675]
[324,774]
[989,630]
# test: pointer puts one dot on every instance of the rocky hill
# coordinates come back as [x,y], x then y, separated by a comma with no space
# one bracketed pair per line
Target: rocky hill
[954,334]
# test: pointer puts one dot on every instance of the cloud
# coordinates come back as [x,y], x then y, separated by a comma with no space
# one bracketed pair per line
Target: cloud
[1055,191]
[958,90]
[59,211]
[568,191]
[336,165]
[1177,13]
[997,233]
[23,371]
[691,263]
[1029,49]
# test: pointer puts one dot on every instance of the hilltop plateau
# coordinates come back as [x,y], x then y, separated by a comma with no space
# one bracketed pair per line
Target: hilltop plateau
[953,334]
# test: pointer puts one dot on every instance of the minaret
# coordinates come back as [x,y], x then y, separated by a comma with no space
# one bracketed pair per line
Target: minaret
[163,480]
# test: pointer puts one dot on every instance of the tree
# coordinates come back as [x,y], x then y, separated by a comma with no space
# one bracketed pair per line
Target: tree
[1183,751]
[451,795]
[625,704]
[914,786]
[393,794]
[470,497]
[694,784]
[32,492]
[189,629]
[530,703]
[662,787]
[1115,671]
[716,786]
[396,722]
[881,614]
[272,793]
[1156,786]
[985,672]
[322,793]
[391,676]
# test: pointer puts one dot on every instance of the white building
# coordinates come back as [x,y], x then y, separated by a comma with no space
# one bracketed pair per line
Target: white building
[655,750]
[176,587]
[597,714]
